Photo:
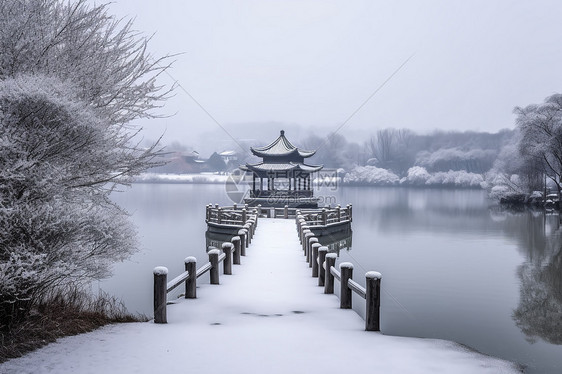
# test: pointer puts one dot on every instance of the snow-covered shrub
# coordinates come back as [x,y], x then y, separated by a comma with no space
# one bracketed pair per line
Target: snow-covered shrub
[72,78]
[370,175]
[417,176]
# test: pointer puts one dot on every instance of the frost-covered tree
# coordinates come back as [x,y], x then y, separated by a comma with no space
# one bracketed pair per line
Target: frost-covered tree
[540,145]
[71,80]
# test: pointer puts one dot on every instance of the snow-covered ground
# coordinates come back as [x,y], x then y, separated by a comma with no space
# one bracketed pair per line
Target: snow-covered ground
[268,317]
[181,178]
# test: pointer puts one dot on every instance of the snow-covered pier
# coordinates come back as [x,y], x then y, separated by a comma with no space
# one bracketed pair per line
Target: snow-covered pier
[270,316]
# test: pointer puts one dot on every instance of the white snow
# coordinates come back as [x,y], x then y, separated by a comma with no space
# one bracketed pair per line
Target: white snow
[347,265]
[373,275]
[181,178]
[268,317]
[160,270]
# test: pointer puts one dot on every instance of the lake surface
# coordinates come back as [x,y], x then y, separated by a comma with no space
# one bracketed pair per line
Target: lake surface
[454,267]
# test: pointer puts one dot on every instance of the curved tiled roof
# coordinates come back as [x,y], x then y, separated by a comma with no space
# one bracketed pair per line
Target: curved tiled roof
[280,147]
[274,167]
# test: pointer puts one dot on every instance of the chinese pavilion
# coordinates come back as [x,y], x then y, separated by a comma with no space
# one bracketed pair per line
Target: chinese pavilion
[287,178]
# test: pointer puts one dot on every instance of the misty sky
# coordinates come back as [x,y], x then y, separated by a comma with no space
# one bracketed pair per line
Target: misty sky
[313,63]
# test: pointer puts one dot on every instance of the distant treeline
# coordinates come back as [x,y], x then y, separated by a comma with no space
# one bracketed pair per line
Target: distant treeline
[395,150]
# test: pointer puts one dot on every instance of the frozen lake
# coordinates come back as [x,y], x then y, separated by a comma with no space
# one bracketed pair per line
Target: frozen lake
[453,267]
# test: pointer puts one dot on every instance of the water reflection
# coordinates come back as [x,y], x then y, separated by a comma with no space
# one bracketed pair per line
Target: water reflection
[539,313]
[335,241]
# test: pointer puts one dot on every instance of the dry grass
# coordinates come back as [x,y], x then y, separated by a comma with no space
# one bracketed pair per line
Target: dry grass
[62,314]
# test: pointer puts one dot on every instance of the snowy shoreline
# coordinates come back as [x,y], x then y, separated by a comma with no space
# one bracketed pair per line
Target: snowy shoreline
[449,180]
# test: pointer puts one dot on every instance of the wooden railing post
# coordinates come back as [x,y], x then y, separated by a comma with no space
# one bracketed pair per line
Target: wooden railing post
[311,242]
[315,248]
[349,212]
[322,252]
[248,229]
[219,215]
[305,229]
[236,241]
[346,270]
[329,278]
[227,264]
[244,215]
[338,212]
[259,209]
[286,212]
[373,301]
[214,260]
[234,206]
[191,281]
[324,217]
[242,235]
[307,237]
[160,292]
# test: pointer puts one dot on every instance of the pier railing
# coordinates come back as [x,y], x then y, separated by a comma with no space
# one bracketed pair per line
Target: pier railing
[326,216]
[236,215]
[323,267]
[231,253]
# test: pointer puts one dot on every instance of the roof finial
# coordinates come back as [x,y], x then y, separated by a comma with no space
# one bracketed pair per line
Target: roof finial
[282,132]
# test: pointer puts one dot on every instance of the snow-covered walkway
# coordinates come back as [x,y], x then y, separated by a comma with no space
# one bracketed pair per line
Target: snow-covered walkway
[268,317]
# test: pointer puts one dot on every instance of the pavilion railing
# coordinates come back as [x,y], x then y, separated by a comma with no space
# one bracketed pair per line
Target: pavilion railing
[326,216]
[237,215]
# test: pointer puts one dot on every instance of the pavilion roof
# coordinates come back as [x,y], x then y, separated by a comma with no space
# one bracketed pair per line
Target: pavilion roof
[280,147]
[280,167]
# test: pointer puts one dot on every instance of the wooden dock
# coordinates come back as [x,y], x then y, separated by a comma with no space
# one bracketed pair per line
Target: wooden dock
[277,238]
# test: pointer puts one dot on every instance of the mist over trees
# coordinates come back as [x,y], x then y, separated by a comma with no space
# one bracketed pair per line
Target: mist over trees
[72,77]
[532,159]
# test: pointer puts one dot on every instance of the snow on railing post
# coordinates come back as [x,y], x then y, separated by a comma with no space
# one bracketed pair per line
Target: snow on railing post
[322,252]
[305,242]
[311,242]
[191,281]
[214,260]
[259,209]
[315,248]
[324,217]
[329,278]
[346,270]
[242,234]
[236,242]
[227,265]
[286,212]
[244,215]
[234,206]
[373,301]
[160,292]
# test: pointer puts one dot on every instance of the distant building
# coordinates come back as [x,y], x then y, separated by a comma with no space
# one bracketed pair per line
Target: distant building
[228,156]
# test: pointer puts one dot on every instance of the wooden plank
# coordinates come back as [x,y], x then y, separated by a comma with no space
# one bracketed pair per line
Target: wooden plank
[335,273]
[177,281]
[357,288]
[203,269]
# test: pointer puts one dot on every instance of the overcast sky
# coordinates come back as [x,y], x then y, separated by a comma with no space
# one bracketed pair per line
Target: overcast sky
[314,63]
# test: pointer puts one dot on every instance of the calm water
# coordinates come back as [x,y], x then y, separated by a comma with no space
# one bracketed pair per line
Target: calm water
[453,267]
